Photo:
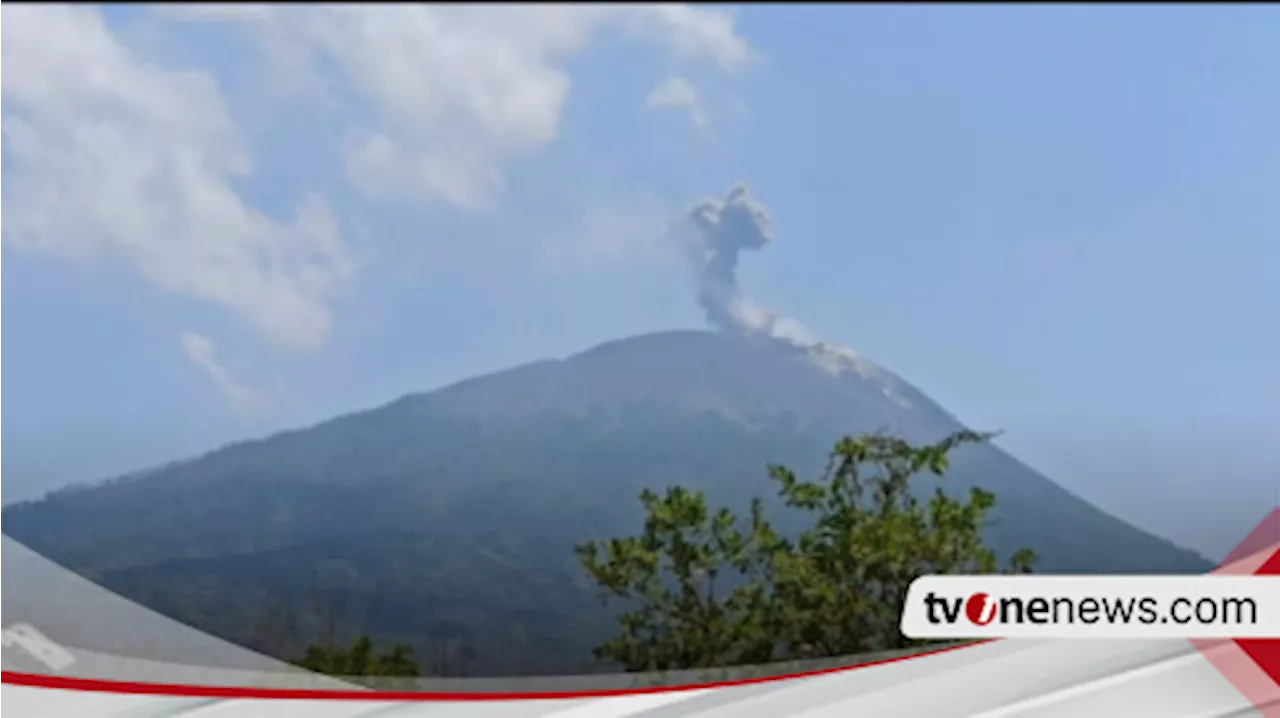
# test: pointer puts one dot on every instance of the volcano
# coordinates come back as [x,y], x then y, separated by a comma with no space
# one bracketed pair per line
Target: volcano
[448,519]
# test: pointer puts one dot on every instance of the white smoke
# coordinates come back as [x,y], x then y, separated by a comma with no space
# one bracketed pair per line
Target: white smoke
[715,232]
[722,229]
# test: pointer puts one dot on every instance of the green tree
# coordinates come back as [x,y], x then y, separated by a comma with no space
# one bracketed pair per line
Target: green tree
[713,589]
[358,659]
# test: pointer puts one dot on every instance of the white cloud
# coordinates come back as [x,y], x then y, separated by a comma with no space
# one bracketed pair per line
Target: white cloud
[108,156]
[678,93]
[112,155]
[247,401]
[697,33]
[459,91]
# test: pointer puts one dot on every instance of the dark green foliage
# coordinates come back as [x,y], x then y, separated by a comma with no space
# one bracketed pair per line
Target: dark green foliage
[713,589]
[358,659]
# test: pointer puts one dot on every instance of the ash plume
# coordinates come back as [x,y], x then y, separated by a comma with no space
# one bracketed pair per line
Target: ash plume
[720,230]
[715,232]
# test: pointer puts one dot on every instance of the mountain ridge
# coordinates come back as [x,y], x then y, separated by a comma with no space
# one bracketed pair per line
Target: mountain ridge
[468,499]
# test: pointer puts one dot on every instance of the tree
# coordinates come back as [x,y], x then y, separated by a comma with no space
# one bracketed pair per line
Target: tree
[359,660]
[328,611]
[708,590]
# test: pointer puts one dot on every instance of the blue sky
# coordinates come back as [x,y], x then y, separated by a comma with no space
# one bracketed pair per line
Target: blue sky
[1063,222]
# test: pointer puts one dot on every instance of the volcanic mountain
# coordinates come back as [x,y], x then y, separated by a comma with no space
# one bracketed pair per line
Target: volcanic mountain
[448,519]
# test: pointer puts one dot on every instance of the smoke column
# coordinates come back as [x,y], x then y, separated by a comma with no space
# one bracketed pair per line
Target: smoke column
[722,229]
[716,232]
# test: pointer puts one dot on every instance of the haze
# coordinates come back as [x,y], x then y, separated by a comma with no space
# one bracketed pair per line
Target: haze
[1062,222]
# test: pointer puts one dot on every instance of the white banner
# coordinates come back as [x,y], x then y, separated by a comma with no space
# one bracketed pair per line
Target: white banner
[1029,606]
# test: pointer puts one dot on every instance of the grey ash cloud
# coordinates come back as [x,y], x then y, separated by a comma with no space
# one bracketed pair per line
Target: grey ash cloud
[715,233]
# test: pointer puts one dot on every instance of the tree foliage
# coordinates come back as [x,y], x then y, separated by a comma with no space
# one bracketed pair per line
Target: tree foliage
[358,659]
[708,589]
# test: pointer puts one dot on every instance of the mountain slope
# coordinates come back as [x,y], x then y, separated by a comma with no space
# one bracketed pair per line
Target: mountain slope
[448,519]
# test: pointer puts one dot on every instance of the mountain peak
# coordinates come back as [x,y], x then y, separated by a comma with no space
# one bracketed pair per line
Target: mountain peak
[735,374]
[454,514]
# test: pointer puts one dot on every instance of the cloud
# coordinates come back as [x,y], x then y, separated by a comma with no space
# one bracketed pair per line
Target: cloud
[678,93]
[460,91]
[109,156]
[245,400]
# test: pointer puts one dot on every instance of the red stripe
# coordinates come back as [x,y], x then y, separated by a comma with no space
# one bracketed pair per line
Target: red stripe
[37,680]
[1254,667]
